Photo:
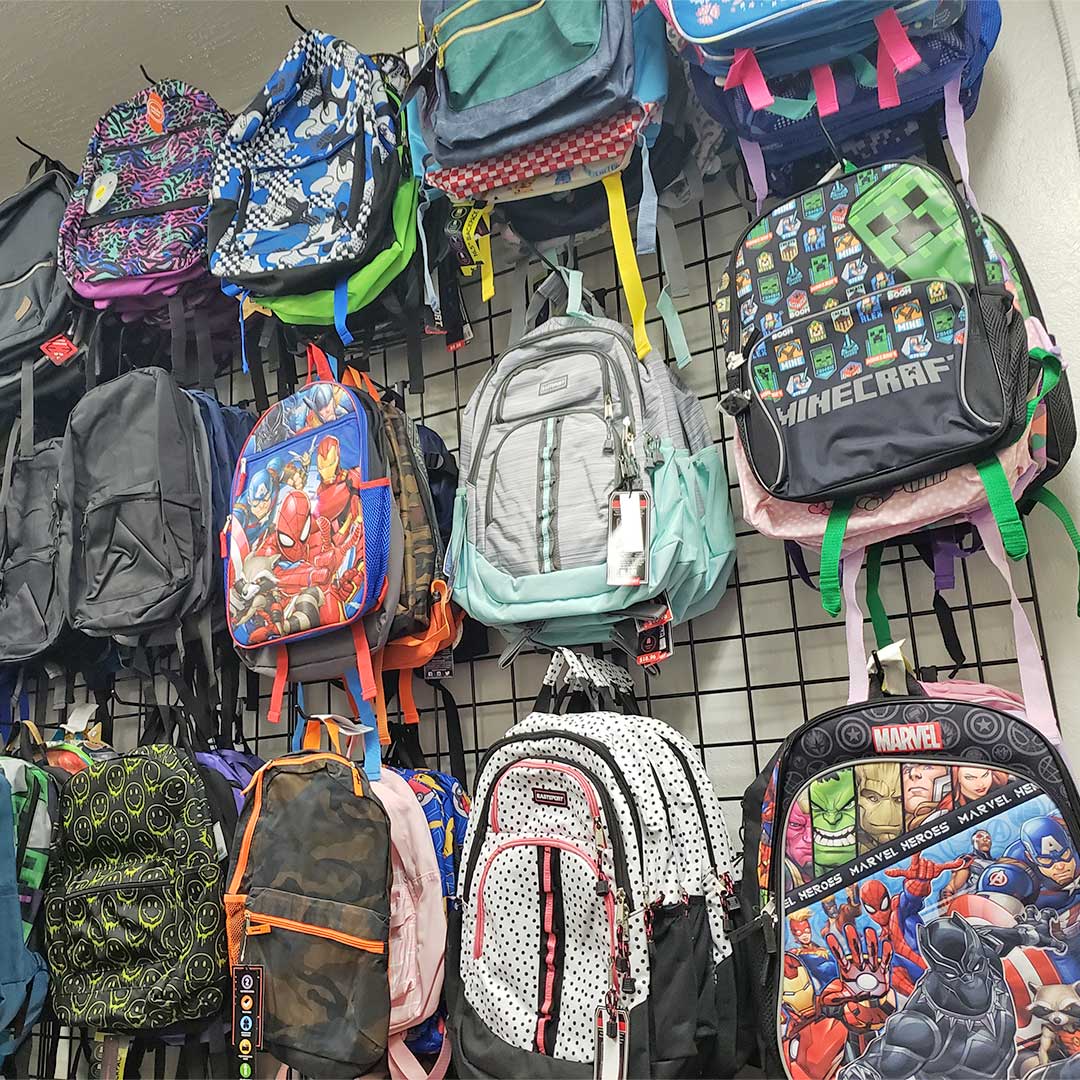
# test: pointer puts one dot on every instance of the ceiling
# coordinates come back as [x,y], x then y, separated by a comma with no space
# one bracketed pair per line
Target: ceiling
[62,64]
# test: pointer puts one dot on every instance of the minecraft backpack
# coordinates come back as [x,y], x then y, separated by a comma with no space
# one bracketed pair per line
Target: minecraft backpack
[858,316]
[910,864]
[307,543]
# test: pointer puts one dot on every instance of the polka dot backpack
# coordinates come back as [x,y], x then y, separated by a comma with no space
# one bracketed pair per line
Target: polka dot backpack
[594,895]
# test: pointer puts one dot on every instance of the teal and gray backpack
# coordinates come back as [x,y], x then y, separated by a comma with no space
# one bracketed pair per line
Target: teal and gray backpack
[567,417]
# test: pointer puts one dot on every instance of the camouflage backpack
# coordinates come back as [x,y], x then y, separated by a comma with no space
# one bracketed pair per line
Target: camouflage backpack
[308,901]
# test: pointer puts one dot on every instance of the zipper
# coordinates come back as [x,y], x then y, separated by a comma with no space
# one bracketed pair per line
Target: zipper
[33,270]
[440,56]
[449,17]
[91,221]
[119,148]
[606,366]
[548,948]
[490,494]
[538,841]
[685,765]
[746,382]
[614,831]
[256,923]
[117,887]
[356,191]
[556,766]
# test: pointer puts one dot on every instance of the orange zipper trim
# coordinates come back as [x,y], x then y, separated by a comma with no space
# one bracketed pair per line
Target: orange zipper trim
[261,924]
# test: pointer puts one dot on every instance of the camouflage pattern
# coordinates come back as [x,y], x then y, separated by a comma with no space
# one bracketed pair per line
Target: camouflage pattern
[408,478]
[134,923]
[34,802]
[318,855]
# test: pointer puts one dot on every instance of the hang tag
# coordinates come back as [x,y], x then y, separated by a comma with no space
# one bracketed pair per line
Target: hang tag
[247,1016]
[101,191]
[654,642]
[59,349]
[108,1056]
[628,538]
[155,112]
[611,1052]
[441,665]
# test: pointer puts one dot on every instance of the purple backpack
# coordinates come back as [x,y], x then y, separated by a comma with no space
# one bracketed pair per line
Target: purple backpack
[133,237]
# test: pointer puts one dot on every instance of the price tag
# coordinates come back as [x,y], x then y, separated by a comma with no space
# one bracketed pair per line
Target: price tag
[628,538]
[441,665]
[611,1053]
[247,1016]
[654,642]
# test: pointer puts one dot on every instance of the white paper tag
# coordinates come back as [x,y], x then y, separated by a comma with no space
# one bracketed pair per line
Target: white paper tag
[612,1044]
[628,538]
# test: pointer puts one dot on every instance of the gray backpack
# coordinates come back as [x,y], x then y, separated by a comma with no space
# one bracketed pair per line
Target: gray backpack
[31,603]
[135,510]
[567,417]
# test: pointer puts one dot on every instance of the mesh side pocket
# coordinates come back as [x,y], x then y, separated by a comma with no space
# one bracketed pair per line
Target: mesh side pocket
[234,926]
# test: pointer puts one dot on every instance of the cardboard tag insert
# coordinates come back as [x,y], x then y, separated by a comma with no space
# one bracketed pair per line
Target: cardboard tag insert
[628,538]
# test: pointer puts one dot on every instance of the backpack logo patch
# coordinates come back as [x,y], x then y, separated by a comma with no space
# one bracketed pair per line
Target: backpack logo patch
[552,385]
[23,309]
[155,112]
[549,797]
[901,738]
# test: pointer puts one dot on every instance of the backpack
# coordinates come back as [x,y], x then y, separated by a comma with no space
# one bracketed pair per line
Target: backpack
[743,45]
[914,858]
[305,180]
[41,320]
[442,476]
[567,417]
[31,601]
[133,918]
[133,238]
[481,100]
[315,917]
[918,282]
[135,506]
[839,109]
[619,918]
[417,924]
[25,979]
[308,541]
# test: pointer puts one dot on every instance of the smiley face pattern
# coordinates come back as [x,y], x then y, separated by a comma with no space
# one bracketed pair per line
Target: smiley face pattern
[134,921]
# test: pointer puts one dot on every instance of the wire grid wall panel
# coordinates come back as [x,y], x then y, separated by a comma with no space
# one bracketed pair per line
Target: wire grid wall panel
[743,676]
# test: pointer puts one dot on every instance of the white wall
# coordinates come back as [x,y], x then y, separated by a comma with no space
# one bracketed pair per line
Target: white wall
[1026,174]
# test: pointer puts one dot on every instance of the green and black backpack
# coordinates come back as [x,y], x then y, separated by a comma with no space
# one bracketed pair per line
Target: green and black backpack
[134,921]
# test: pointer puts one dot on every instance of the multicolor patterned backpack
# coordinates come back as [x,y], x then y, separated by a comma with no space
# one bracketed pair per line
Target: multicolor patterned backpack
[308,540]
[133,237]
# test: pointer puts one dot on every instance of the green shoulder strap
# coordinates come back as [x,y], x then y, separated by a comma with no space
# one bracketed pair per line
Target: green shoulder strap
[1057,508]
[998,490]
[831,545]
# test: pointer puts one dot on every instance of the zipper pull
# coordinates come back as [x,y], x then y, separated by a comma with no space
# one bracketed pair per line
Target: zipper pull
[768,925]
[609,412]
[598,833]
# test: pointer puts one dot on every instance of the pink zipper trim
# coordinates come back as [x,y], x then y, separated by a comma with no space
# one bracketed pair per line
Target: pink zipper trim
[557,766]
[537,841]
[549,956]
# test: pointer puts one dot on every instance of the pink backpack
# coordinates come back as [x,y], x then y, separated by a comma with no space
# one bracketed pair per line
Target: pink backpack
[417,927]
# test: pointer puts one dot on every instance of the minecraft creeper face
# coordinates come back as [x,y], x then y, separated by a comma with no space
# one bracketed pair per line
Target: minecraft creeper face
[910,223]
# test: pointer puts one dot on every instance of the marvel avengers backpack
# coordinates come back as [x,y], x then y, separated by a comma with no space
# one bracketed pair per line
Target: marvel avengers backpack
[912,885]
[308,540]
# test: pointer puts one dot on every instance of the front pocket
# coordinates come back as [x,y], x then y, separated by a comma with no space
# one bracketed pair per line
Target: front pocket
[478,52]
[326,985]
[842,398]
[542,945]
[25,297]
[127,549]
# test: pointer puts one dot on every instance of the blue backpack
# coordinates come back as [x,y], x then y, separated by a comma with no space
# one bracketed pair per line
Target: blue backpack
[442,474]
[24,978]
[789,142]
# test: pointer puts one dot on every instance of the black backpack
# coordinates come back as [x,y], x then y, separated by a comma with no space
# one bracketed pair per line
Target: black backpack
[39,319]
[134,923]
[31,602]
[910,864]
[135,510]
